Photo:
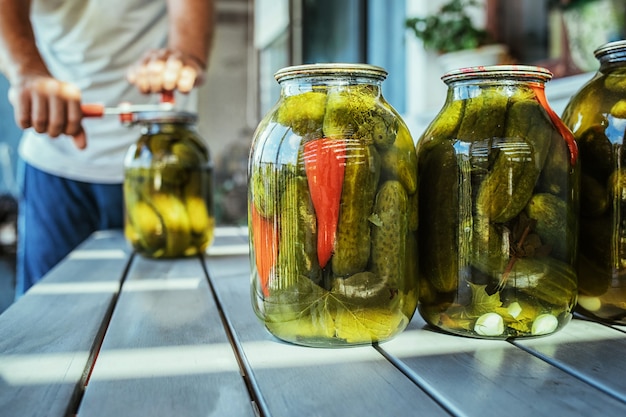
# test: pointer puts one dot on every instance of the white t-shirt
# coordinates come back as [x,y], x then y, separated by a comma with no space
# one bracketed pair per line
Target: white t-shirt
[91,43]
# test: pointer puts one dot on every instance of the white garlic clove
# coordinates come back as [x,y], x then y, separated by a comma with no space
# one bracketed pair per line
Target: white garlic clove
[589,303]
[544,324]
[489,324]
[514,309]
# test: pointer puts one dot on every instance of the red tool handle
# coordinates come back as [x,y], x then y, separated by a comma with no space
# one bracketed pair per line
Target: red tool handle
[167,96]
[99,110]
[92,110]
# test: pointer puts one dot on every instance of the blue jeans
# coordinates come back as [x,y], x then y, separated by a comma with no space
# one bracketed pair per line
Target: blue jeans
[57,214]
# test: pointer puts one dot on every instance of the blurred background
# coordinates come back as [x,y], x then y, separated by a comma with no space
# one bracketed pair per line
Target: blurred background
[255,38]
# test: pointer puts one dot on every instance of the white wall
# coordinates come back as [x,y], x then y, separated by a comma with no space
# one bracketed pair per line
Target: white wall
[426,92]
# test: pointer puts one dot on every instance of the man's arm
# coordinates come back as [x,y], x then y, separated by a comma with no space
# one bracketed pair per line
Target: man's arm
[183,63]
[39,100]
[18,50]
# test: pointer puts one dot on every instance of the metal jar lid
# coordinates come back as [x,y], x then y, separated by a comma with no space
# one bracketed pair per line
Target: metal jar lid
[331,69]
[504,72]
[159,116]
[611,49]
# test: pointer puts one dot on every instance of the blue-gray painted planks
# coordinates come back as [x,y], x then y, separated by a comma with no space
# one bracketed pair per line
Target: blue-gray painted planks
[485,377]
[170,346]
[166,352]
[299,381]
[47,339]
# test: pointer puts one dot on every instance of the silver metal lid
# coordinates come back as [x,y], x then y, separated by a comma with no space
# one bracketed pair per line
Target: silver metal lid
[610,48]
[307,70]
[529,72]
[158,116]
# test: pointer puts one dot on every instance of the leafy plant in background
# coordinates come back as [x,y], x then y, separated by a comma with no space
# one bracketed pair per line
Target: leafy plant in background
[450,29]
[569,4]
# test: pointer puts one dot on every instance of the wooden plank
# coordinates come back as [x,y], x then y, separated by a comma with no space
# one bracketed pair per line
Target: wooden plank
[229,241]
[166,352]
[48,337]
[488,377]
[592,351]
[293,380]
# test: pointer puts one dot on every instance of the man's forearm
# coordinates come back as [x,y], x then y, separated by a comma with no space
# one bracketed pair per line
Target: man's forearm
[191,27]
[18,49]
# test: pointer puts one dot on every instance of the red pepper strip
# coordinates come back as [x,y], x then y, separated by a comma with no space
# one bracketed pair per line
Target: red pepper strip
[558,123]
[265,238]
[324,162]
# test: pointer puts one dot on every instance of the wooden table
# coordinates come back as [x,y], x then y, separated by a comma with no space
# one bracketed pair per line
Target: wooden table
[109,333]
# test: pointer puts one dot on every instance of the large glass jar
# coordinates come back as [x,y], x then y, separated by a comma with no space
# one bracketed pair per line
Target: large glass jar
[497,207]
[168,187]
[332,220]
[597,116]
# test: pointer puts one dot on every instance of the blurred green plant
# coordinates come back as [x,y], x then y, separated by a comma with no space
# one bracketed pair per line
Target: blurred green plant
[450,28]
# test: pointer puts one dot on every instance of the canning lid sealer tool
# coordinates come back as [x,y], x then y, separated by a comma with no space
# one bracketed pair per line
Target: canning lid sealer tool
[126,111]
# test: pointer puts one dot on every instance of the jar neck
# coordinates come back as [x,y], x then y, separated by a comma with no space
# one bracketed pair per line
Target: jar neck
[465,89]
[612,61]
[611,55]
[149,128]
[499,79]
[301,85]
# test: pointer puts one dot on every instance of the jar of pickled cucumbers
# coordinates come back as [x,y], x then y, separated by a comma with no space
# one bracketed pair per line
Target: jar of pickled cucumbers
[498,207]
[168,187]
[597,116]
[332,210]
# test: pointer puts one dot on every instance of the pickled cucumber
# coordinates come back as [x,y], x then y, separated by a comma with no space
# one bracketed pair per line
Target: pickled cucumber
[413,212]
[411,271]
[201,221]
[596,153]
[491,247]
[266,186]
[447,122]
[399,162]
[554,223]
[352,243]
[594,197]
[176,162]
[545,278]
[147,226]
[356,113]
[469,128]
[556,175]
[508,187]
[616,81]
[389,231]
[176,223]
[484,116]
[439,214]
[597,241]
[297,248]
[303,113]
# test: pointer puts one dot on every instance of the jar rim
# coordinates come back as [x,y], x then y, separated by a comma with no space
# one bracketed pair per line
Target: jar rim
[335,68]
[610,47]
[164,116]
[530,72]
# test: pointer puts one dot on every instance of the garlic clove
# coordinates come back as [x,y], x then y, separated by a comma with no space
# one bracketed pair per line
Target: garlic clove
[514,309]
[489,324]
[544,324]
[589,303]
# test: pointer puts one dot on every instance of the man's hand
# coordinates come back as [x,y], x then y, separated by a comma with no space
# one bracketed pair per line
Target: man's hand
[166,70]
[49,106]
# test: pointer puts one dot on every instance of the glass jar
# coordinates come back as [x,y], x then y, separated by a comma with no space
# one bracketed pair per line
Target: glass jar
[332,220]
[498,207]
[168,192]
[596,115]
